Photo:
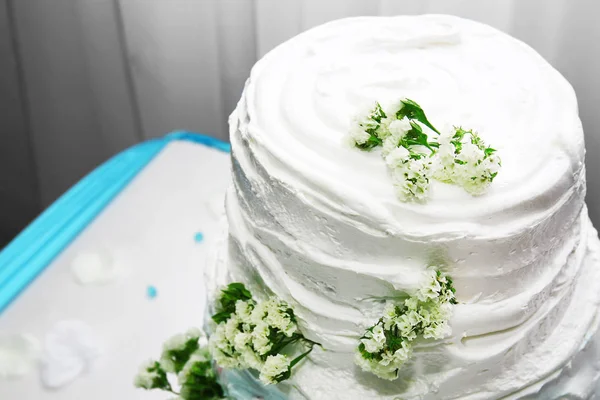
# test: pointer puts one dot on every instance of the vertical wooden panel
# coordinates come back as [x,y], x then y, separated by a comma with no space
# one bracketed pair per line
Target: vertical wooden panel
[18,182]
[316,12]
[174,62]
[579,61]
[237,48]
[497,13]
[402,7]
[113,99]
[65,133]
[540,29]
[276,22]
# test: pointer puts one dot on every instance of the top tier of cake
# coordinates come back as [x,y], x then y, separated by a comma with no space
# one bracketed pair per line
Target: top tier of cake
[317,222]
[288,130]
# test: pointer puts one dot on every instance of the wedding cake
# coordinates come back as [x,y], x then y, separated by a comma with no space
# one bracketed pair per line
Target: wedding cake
[320,225]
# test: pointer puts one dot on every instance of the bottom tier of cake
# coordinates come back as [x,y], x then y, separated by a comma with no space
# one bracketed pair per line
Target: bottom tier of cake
[563,364]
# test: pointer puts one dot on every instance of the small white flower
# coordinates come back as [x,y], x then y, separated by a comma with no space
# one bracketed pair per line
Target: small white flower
[274,366]
[390,143]
[166,363]
[278,318]
[389,316]
[437,331]
[232,328]
[260,338]
[411,179]
[406,328]
[250,358]
[259,312]
[399,127]
[397,157]
[462,160]
[225,360]
[176,342]
[198,356]
[375,339]
[412,303]
[243,310]
[431,289]
[222,349]
[146,375]
[242,340]
[358,135]
[402,354]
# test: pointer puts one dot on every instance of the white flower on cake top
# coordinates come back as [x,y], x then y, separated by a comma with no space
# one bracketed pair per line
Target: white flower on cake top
[455,156]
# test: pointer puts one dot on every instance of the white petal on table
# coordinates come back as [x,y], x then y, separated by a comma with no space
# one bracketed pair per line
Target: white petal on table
[18,355]
[94,268]
[70,349]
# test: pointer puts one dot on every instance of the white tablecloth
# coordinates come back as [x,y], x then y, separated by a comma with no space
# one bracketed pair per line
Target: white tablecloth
[149,230]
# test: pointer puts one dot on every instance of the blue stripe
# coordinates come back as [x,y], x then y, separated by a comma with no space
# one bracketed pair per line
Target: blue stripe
[45,238]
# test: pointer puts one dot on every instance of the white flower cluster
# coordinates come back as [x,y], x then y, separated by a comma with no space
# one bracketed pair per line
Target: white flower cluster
[200,358]
[181,343]
[183,356]
[464,160]
[275,367]
[148,375]
[363,132]
[250,337]
[459,157]
[409,172]
[387,345]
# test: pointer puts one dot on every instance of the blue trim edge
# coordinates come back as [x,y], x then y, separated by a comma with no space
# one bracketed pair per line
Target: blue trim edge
[51,232]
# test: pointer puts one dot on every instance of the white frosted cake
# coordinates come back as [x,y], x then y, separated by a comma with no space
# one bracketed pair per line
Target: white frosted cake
[318,223]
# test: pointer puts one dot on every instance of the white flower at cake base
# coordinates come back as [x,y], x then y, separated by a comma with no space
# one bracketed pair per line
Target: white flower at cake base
[183,356]
[274,369]
[222,350]
[175,349]
[260,338]
[386,346]
[149,375]
[251,334]
[374,339]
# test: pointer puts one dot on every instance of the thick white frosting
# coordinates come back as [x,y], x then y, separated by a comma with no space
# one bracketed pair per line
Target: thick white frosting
[317,223]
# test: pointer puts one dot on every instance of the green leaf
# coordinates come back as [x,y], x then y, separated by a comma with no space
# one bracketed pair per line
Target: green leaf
[181,357]
[237,290]
[411,110]
[229,296]
[377,114]
[160,381]
[201,383]
[222,316]
[285,375]
[488,152]
[373,141]
[415,137]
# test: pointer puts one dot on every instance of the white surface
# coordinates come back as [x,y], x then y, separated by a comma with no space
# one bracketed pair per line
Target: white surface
[95,268]
[18,355]
[150,227]
[70,349]
[317,223]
